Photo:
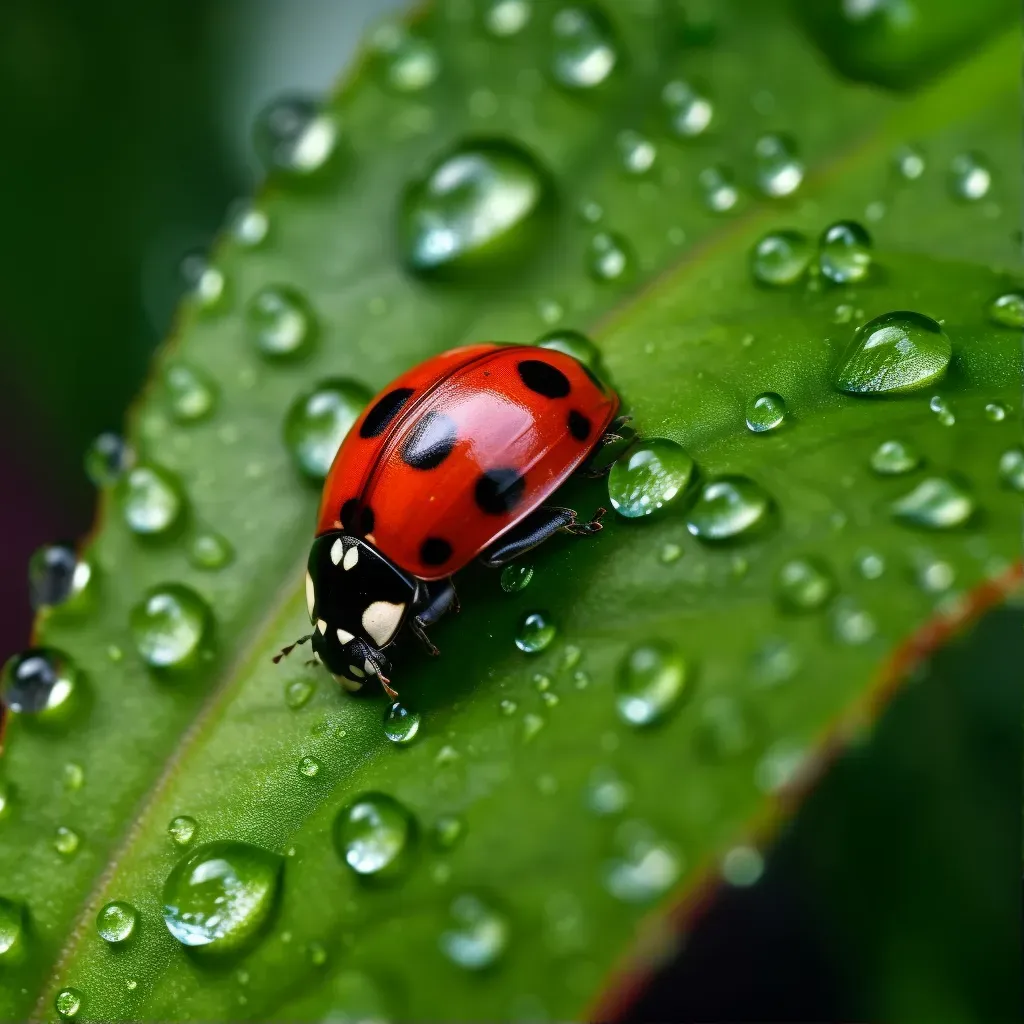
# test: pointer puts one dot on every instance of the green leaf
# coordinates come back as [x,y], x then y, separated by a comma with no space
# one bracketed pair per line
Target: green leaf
[531,824]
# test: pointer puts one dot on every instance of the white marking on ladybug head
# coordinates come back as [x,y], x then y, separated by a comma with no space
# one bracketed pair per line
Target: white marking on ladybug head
[371,669]
[350,684]
[310,596]
[316,658]
[344,636]
[351,557]
[322,626]
[336,551]
[356,671]
[381,619]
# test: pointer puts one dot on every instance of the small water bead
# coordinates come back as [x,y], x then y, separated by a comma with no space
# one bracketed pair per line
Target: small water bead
[804,584]
[780,766]
[408,62]
[401,725]
[6,797]
[249,226]
[780,258]
[12,931]
[670,552]
[532,724]
[742,866]
[584,50]
[446,755]
[541,682]
[607,793]
[651,477]
[191,394]
[943,413]
[374,834]
[637,153]
[479,204]
[535,632]
[1007,310]
[205,282]
[908,162]
[718,187]
[295,136]
[765,412]
[309,766]
[506,18]
[934,576]
[182,829]
[894,458]
[870,564]
[853,624]
[220,897]
[647,867]
[297,693]
[66,841]
[68,1002]
[724,729]
[152,501]
[690,113]
[778,169]
[280,322]
[609,256]
[650,682]
[107,459]
[318,421]
[169,626]
[477,934]
[40,681]
[894,353]
[515,578]
[57,576]
[995,412]
[116,922]
[937,503]
[447,831]
[74,776]
[728,508]
[507,706]
[970,177]
[844,252]
[1011,468]
[209,550]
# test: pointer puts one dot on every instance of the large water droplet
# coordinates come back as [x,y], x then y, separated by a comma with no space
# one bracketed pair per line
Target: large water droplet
[1011,468]
[844,252]
[609,256]
[584,50]
[804,584]
[116,922]
[68,1002]
[57,576]
[1007,310]
[152,500]
[765,412]
[647,867]
[191,394]
[169,626]
[896,352]
[893,458]
[689,112]
[221,896]
[280,322]
[650,681]
[505,18]
[477,934]
[182,829]
[12,931]
[40,681]
[107,459]
[515,578]
[778,170]
[401,725]
[937,503]
[479,205]
[407,62]
[780,258]
[374,835]
[653,475]
[970,177]
[318,421]
[295,136]
[728,508]
[535,632]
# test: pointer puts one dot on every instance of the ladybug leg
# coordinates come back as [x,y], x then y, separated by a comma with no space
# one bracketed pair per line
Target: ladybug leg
[432,601]
[536,528]
[612,446]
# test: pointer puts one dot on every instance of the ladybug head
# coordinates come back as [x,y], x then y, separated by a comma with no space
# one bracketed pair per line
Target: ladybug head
[357,602]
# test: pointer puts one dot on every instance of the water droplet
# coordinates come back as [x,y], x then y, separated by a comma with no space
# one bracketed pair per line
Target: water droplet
[894,458]
[844,252]
[505,18]
[209,550]
[480,204]
[401,725]
[74,776]
[935,576]
[221,896]
[637,153]
[729,507]
[295,136]
[1007,310]
[318,957]
[804,584]
[280,322]
[896,352]
[532,724]
[969,177]
[249,226]
[724,729]
[647,867]
[66,841]
[995,412]
[670,552]
[448,830]
[191,395]
[68,1002]
[515,578]
[541,682]
[583,47]
[57,576]
[152,500]
[609,256]
[742,866]
[6,797]
[1011,468]
[870,564]
[116,922]
[765,412]
[374,834]
[937,503]
[507,706]
[318,421]
[650,682]
[297,693]
[309,766]
[446,755]
[40,681]
[943,413]
[182,829]
[169,626]
[652,476]
[607,793]
[689,112]
[718,186]
[408,62]
[535,632]
[851,623]
[778,170]
[780,766]
[908,162]
[12,931]
[107,459]
[780,258]
[477,934]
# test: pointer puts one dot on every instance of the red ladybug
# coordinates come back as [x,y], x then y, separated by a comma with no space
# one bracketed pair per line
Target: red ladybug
[451,461]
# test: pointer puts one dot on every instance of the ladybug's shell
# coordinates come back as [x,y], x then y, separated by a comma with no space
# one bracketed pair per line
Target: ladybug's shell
[459,449]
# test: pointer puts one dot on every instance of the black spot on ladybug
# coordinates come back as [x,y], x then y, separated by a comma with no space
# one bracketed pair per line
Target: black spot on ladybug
[383,412]
[435,551]
[354,520]
[431,441]
[499,491]
[579,425]
[545,379]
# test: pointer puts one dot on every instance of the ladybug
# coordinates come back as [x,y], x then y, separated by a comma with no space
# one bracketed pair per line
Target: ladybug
[454,460]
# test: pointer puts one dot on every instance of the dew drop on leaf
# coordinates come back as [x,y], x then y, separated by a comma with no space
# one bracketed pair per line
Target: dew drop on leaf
[1007,310]
[689,112]
[852,624]
[515,578]
[152,500]
[447,831]
[280,322]
[970,177]
[249,226]
[68,1002]
[476,934]
[40,681]
[74,776]
[943,413]
[637,153]
[506,18]
[909,163]
[609,256]
[535,632]
[374,835]
[937,503]
[728,508]
[12,931]
[406,62]
[780,766]
[295,135]
[116,922]
[718,187]
[777,168]
[724,729]
[650,682]
[844,252]
[742,866]
[318,421]
[646,868]
[995,412]
[584,50]
[210,551]
[607,793]
[870,564]
[894,458]
[780,258]
[1011,468]
[401,725]
[58,577]
[650,477]
[66,841]
[169,626]
[191,394]
[575,344]
[297,693]
[804,584]
[309,766]
[107,459]
[182,829]
[765,412]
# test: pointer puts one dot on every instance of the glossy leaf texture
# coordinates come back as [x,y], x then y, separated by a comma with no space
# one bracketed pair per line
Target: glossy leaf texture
[504,860]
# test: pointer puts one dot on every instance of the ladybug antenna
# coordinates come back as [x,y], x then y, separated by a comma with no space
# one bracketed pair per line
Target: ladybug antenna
[285,651]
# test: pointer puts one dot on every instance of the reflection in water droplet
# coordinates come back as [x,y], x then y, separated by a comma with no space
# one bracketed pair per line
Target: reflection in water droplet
[908,162]
[943,413]
[936,503]
[690,113]
[107,459]
[116,922]
[778,170]
[804,584]
[765,412]
[68,1002]
[318,421]
[191,394]
[40,681]
[844,252]
[57,576]
[12,931]
[893,458]
[995,412]
[169,626]
[652,476]
[1007,310]
[152,500]
[870,564]
[309,766]
[294,135]
[728,508]
[583,47]
[182,829]
[374,834]
[969,177]
[209,550]
[297,693]
[66,841]
[535,633]
[637,153]
[607,793]
[650,682]
[477,934]
[718,186]
[780,258]
[1011,468]
[852,624]
[408,62]
[280,322]
[647,867]
[401,725]
[609,256]
[505,18]
[515,578]
[249,226]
